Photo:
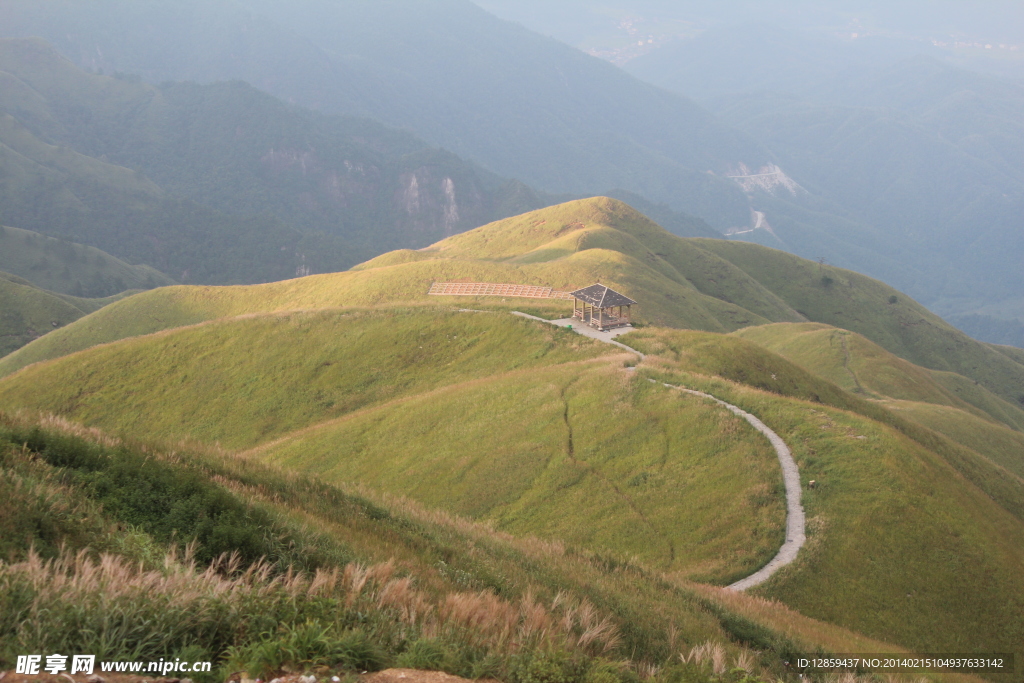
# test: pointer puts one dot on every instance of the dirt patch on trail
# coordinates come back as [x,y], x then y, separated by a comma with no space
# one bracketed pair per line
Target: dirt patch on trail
[415,676]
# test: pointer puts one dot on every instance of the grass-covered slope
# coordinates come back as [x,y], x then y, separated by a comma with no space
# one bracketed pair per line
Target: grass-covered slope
[711,285]
[484,414]
[851,301]
[901,544]
[586,454]
[28,312]
[857,364]
[948,403]
[241,381]
[70,268]
[543,432]
[421,588]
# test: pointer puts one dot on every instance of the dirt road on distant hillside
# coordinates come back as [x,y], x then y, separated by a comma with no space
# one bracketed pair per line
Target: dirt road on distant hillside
[795,520]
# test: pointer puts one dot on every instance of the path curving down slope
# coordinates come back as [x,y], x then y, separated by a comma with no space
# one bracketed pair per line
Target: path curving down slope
[795,519]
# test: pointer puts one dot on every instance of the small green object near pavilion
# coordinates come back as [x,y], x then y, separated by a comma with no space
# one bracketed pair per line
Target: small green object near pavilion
[602,307]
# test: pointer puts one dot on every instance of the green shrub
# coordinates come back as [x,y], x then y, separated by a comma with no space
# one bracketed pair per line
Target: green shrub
[424,654]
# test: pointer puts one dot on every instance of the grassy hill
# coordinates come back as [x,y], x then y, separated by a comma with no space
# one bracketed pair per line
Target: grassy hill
[70,268]
[28,312]
[382,382]
[540,431]
[361,379]
[711,285]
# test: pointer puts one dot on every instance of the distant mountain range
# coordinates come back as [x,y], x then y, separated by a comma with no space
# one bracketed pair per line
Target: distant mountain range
[522,105]
[926,153]
[926,200]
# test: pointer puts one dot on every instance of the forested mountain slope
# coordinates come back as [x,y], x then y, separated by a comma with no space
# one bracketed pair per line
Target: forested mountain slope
[69,268]
[221,183]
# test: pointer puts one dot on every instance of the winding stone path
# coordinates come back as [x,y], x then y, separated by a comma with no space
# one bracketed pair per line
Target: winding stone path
[795,519]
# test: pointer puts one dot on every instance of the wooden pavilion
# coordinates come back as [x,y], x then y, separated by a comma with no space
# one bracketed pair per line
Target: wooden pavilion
[602,307]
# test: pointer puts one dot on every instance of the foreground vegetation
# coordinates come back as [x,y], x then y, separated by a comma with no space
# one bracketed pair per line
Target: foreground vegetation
[376,584]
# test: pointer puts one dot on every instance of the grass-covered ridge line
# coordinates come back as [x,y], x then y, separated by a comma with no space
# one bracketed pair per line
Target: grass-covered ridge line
[710,285]
[245,380]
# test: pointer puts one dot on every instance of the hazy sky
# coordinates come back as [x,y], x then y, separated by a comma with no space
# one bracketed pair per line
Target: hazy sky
[574,21]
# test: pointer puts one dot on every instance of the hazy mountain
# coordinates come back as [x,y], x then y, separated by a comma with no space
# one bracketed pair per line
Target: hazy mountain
[523,105]
[923,155]
[221,183]
[751,57]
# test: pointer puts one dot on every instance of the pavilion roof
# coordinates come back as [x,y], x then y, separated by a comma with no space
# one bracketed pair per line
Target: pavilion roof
[602,296]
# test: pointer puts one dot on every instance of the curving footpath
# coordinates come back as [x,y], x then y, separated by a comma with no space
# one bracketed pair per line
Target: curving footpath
[795,520]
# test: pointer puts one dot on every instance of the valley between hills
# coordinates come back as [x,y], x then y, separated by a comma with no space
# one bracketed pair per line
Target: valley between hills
[466,489]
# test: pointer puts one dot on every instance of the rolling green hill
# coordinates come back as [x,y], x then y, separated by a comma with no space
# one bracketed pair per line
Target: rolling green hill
[362,380]
[28,312]
[712,285]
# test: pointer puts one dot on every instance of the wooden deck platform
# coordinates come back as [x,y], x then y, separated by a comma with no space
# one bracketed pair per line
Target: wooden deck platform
[496,289]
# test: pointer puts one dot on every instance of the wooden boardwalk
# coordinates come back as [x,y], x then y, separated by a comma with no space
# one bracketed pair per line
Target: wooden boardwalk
[496,289]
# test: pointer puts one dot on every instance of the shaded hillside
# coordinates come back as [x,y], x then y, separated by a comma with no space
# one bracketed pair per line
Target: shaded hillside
[948,403]
[28,312]
[70,268]
[556,118]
